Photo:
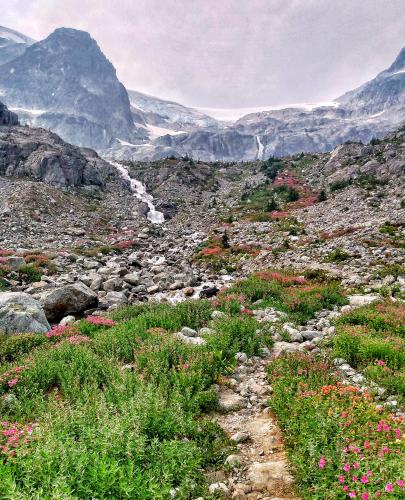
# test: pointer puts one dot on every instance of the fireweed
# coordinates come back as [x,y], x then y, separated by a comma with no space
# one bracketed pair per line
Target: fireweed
[341,445]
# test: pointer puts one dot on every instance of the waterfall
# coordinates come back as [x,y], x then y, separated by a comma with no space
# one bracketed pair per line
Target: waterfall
[260,148]
[139,191]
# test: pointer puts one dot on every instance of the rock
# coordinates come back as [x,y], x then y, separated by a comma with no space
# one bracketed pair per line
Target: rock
[231,401]
[15,263]
[240,437]
[272,477]
[362,300]
[113,285]
[131,278]
[153,289]
[69,299]
[188,292]
[218,488]
[207,293]
[310,334]
[217,314]
[241,357]
[188,332]
[280,347]
[233,460]
[21,313]
[67,320]
[206,331]
[189,340]
[113,299]
[293,333]
[264,352]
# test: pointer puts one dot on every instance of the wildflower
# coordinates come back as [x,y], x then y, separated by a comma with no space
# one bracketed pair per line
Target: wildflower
[389,488]
[352,494]
[355,465]
[341,479]
[365,496]
[364,479]
[343,414]
[100,320]
[400,483]
[346,467]
[355,478]
[367,445]
[12,382]
[186,366]
[322,463]
[380,362]
[345,488]
[398,433]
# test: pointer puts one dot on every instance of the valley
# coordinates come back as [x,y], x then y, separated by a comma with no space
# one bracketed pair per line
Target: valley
[197,308]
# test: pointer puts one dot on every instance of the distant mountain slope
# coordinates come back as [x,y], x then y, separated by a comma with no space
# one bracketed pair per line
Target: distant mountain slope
[65,83]
[12,44]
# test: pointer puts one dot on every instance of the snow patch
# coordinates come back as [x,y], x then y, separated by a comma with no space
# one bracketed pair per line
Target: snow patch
[35,112]
[155,132]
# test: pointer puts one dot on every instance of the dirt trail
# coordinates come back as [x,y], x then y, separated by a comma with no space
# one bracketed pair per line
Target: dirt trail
[259,467]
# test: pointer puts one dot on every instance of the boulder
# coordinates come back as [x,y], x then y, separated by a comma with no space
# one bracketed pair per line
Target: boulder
[69,299]
[21,313]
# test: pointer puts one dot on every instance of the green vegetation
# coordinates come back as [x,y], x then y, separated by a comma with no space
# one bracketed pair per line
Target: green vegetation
[116,410]
[300,298]
[339,443]
[337,255]
[272,167]
[371,338]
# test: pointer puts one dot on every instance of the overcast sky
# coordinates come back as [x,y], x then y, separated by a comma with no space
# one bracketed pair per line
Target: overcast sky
[230,53]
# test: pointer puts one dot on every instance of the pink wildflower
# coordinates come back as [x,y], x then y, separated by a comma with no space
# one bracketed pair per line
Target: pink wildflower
[12,382]
[401,483]
[186,366]
[398,433]
[364,479]
[322,463]
[389,488]
[355,478]
[365,496]
[346,467]
[355,465]
[380,362]
[341,479]
[100,320]
[352,494]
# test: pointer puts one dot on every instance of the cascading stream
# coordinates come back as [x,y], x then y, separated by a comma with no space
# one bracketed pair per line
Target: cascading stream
[139,191]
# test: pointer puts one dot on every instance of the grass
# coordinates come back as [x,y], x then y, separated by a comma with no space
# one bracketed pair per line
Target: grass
[77,424]
[340,444]
[371,339]
[299,297]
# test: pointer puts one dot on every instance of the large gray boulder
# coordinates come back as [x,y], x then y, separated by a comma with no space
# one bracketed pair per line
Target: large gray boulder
[7,117]
[69,299]
[21,313]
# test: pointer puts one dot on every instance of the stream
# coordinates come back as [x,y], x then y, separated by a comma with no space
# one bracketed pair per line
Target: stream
[139,190]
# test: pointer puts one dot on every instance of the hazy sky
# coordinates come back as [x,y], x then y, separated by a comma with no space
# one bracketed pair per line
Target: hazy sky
[230,53]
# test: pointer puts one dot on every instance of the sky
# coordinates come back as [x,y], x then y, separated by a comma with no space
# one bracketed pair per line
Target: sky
[230,53]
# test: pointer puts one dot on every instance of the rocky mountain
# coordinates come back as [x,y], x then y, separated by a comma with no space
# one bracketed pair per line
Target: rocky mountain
[41,155]
[66,84]
[12,44]
[369,111]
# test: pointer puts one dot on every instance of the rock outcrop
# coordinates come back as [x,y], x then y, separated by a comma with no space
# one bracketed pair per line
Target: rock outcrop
[42,155]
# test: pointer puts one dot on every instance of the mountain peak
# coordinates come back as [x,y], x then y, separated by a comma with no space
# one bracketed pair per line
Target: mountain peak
[399,62]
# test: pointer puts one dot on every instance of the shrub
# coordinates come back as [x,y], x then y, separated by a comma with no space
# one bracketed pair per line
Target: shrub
[337,255]
[338,185]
